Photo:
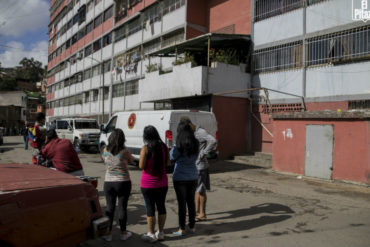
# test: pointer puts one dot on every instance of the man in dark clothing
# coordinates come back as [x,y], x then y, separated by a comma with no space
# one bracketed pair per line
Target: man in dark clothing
[25,135]
[62,153]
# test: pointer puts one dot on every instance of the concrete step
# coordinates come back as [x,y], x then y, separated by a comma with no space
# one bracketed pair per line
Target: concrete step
[258,159]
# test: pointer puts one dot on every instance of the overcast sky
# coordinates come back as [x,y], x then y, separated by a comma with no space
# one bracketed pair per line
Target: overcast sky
[23,31]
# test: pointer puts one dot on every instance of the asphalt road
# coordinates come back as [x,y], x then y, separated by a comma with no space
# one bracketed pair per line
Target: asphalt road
[247,206]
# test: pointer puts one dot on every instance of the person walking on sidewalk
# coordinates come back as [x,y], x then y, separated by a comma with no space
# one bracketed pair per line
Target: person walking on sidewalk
[117,183]
[185,175]
[25,134]
[207,143]
[154,158]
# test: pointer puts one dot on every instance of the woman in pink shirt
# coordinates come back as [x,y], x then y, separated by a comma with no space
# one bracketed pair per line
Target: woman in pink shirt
[154,182]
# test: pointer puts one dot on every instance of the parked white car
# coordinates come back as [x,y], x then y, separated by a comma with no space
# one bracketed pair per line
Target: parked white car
[82,132]
[133,124]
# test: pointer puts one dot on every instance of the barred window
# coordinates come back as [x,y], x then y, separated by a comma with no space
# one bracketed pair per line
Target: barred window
[172,5]
[95,94]
[287,56]
[132,87]
[106,66]
[96,70]
[269,8]
[134,27]
[120,33]
[88,50]
[87,74]
[108,13]
[107,39]
[87,97]
[106,93]
[173,39]
[339,47]
[98,20]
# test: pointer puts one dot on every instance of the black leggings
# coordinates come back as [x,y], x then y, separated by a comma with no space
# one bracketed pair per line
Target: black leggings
[155,197]
[185,193]
[121,190]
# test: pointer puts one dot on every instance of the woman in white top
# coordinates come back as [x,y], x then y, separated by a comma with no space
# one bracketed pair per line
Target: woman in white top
[117,183]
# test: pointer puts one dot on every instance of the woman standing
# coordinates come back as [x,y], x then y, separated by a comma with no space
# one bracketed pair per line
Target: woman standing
[185,175]
[154,182]
[117,182]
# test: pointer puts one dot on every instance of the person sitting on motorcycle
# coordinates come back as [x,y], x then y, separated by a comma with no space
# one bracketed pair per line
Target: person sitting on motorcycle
[62,154]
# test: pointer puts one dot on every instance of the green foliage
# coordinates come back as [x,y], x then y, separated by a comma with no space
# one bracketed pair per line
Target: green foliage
[186,59]
[7,83]
[228,56]
[153,67]
[31,70]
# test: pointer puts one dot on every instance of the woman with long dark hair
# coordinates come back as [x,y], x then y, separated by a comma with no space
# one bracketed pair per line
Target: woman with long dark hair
[154,158]
[185,175]
[117,183]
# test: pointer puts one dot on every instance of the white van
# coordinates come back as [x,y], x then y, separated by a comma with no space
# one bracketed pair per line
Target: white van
[133,124]
[82,132]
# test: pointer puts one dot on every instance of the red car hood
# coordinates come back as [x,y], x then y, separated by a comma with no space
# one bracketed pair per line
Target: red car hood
[24,176]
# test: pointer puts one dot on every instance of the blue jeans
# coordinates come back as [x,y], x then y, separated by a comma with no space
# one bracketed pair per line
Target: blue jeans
[25,138]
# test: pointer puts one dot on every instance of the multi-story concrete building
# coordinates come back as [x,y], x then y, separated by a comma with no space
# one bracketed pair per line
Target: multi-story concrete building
[13,109]
[315,56]
[101,53]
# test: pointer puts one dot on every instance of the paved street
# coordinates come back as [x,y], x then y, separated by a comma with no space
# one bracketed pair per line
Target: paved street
[247,206]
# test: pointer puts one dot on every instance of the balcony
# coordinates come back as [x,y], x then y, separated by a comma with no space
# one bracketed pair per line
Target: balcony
[209,64]
[185,81]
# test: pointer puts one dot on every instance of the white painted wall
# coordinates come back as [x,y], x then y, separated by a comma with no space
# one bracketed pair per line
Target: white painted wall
[226,78]
[154,30]
[107,52]
[174,19]
[328,14]
[95,81]
[132,103]
[120,46]
[183,81]
[72,89]
[349,79]
[79,87]
[99,8]
[86,108]
[134,39]
[289,81]
[86,85]
[279,27]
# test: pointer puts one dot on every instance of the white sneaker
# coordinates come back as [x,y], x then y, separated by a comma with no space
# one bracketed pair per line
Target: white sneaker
[149,237]
[107,238]
[159,235]
[125,236]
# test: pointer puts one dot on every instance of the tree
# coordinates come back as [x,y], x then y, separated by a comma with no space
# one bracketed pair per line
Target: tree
[7,83]
[31,70]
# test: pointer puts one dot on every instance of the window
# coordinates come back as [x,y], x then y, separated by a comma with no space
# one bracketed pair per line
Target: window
[120,33]
[81,14]
[87,74]
[134,27]
[152,46]
[172,5]
[97,2]
[97,45]
[121,9]
[95,94]
[88,50]
[74,39]
[79,77]
[106,67]
[98,20]
[90,5]
[269,8]
[62,124]
[81,33]
[87,97]
[111,125]
[69,24]
[107,39]
[339,47]
[75,19]
[106,93]
[132,87]
[68,43]
[89,27]
[108,13]
[173,39]
[286,56]
[96,70]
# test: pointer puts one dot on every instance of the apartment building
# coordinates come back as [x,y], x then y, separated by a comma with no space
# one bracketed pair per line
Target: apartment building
[107,56]
[311,61]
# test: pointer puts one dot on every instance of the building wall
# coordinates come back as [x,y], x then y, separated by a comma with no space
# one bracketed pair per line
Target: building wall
[350,154]
[229,16]
[231,115]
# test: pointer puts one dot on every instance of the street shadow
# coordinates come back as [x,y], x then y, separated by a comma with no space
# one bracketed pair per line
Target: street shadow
[3,150]
[12,143]
[221,166]
[270,208]
[218,226]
